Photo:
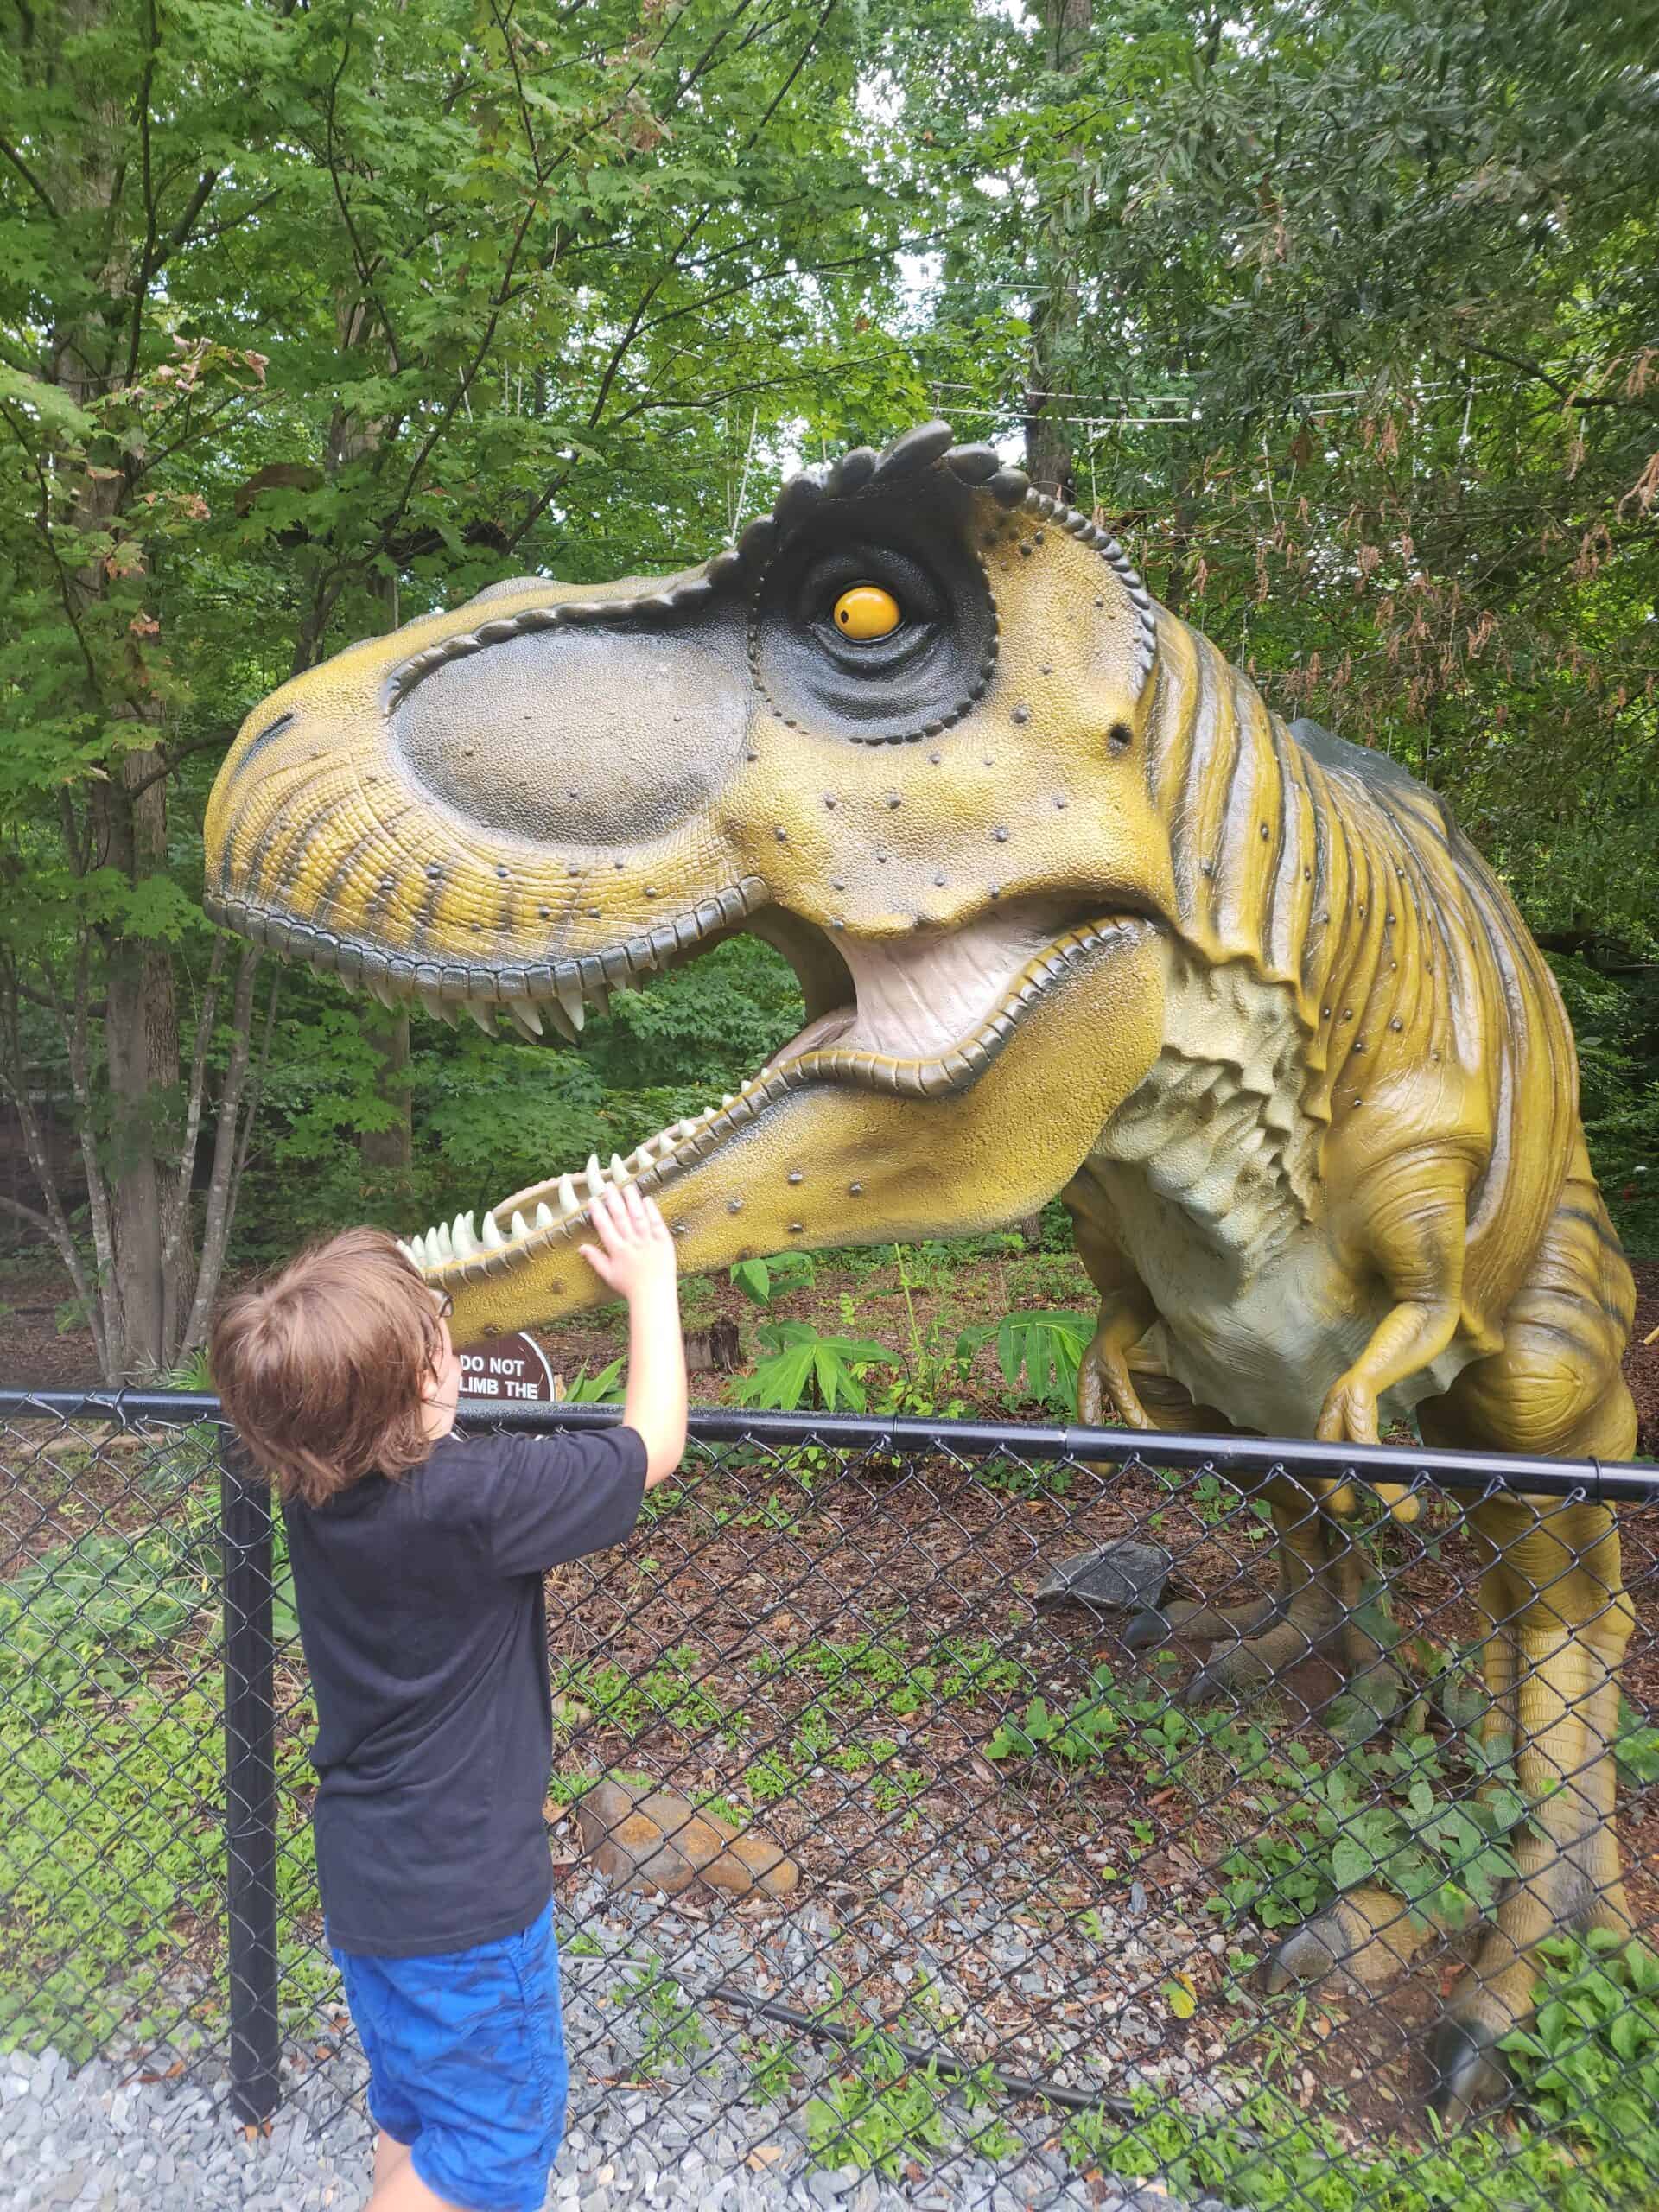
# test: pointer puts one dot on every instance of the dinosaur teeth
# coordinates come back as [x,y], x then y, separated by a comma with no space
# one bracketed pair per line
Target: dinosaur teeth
[525,1016]
[493,1239]
[433,1003]
[520,1226]
[600,996]
[561,1020]
[543,1216]
[384,992]
[408,1251]
[570,999]
[619,1172]
[569,1202]
[595,1175]
[483,1014]
[461,1237]
[446,1243]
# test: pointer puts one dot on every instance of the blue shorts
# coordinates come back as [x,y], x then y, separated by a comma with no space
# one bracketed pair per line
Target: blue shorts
[466,2055]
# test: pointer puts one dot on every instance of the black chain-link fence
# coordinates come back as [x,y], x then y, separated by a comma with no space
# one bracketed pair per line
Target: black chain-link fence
[1009,1815]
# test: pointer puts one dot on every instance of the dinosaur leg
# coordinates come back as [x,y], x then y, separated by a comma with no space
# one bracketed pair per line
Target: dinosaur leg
[1557,1620]
[1308,1615]
[1119,1379]
[1559,1624]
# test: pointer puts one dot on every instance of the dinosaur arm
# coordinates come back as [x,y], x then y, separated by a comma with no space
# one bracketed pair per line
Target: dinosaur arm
[1414,1217]
[1105,1392]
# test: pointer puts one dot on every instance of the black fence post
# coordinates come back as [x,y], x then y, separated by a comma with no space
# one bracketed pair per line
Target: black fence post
[250,1788]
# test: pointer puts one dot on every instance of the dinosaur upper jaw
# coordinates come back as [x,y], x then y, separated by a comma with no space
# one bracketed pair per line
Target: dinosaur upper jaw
[867,1124]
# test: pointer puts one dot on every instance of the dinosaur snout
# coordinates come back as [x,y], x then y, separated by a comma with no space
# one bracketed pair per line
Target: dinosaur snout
[609,734]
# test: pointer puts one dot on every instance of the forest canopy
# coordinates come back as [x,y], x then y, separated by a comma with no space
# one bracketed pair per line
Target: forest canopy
[1344,318]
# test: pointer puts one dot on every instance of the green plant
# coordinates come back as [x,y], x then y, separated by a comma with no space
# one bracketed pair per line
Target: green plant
[604,1389]
[1038,1354]
[765,1281]
[1589,2062]
[672,2030]
[1075,1735]
[881,2113]
[1145,1727]
[111,1766]
[1587,2069]
[774,2071]
[670,1690]
[84,1612]
[1636,1747]
[1421,1820]
[801,1365]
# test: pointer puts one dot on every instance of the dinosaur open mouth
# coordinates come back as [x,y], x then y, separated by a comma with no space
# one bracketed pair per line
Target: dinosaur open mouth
[926,1017]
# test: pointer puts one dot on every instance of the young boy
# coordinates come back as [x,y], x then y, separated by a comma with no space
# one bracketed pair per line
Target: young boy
[418,1559]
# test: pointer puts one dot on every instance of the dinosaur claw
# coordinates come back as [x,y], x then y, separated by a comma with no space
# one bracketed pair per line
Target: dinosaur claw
[1306,1953]
[1146,1631]
[1212,1685]
[1469,2075]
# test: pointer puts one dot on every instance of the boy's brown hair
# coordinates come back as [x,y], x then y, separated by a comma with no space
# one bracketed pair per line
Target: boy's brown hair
[324,1369]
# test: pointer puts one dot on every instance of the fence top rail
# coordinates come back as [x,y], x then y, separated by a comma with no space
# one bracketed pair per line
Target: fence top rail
[1249,1458]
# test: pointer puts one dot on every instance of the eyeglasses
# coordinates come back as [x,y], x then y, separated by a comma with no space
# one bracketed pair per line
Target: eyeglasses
[445,1304]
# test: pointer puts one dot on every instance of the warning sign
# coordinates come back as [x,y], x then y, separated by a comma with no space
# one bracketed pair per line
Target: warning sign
[507,1368]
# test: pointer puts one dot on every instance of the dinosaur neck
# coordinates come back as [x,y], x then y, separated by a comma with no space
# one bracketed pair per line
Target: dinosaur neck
[1343,892]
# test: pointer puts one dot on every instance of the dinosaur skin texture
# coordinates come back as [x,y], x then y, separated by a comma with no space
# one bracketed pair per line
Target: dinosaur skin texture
[1073,912]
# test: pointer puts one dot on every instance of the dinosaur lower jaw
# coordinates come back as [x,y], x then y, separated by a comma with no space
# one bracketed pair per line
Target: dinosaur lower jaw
[841,1048]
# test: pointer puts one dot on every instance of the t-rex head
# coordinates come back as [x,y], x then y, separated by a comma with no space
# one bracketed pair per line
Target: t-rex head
[898,732]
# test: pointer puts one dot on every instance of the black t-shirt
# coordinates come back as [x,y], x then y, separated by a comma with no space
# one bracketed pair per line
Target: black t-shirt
[424,1623]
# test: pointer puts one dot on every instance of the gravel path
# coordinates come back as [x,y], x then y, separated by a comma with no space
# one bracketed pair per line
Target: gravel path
[82,2142]
[663,2109]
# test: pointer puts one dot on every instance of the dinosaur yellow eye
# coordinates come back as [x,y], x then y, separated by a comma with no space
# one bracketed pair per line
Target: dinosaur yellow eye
[866,612]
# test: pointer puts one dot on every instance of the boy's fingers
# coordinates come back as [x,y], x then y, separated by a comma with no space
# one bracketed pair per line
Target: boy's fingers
[608,1218]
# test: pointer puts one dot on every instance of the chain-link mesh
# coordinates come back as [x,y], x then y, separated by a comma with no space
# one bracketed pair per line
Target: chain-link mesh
[990,1811]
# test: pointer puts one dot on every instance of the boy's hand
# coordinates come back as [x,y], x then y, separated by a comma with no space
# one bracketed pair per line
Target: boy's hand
[635,1257]
[635,1253]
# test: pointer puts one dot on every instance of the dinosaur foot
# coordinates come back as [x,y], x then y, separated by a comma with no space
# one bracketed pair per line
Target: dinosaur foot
[1252,1662]
[1376,1689]
[1191,1617]
[1367,1935]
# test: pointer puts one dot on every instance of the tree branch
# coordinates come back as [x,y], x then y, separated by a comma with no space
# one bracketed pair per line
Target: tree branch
[29,178]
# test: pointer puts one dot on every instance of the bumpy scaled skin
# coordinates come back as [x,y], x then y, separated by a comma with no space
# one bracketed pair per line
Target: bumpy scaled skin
[1072,912]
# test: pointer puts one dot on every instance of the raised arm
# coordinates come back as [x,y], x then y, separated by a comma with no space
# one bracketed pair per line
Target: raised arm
[635,1258]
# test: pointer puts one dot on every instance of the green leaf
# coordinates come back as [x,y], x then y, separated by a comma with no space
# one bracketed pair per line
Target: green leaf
[1351,1863]
[1044,1352]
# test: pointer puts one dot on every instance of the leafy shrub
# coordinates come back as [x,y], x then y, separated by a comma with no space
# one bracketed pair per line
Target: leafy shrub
[112,1793]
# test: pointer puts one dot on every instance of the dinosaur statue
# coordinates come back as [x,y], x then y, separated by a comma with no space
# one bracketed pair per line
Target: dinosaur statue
[1072,912]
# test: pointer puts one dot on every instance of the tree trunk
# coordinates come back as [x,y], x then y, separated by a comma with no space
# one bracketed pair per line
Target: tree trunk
[1065,27]
[391,1147]
[141,1045]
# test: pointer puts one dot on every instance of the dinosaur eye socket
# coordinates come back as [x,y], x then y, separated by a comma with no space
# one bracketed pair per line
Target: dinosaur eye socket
[866,611]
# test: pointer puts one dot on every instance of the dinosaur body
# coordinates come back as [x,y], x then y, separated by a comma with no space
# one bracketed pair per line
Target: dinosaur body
[1072,912]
